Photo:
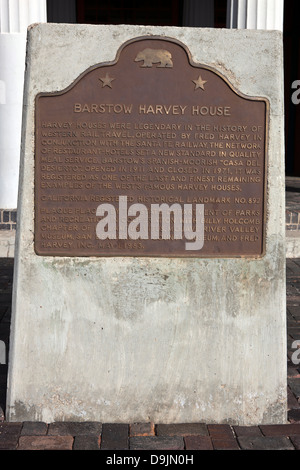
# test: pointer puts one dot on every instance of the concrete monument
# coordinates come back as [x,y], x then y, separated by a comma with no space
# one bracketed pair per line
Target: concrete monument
[150,258]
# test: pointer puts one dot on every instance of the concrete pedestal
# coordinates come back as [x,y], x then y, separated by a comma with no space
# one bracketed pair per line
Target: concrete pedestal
[150,339]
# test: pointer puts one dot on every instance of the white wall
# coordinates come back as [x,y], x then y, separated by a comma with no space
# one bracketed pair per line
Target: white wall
[12,59]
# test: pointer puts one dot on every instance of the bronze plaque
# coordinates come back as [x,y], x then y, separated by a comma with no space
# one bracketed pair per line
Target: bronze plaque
[150,155]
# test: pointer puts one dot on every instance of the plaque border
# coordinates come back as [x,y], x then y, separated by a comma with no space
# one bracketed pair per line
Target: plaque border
[210,68]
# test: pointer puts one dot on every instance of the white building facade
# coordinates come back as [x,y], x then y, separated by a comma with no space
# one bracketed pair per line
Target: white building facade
[15,16]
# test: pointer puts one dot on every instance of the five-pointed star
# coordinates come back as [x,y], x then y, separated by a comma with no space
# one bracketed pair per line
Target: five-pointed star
[106,81]
[199,83]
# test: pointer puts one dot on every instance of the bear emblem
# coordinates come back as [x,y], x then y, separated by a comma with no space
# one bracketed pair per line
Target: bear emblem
[155,56]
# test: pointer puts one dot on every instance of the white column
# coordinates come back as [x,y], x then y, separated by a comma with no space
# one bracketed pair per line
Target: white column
[255,14]
[15,16]
[198,13]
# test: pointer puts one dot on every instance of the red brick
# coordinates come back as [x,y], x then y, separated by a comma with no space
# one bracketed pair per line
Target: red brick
[114,436]
[157,443]
[142,429]
[198,443]
[87,443]
[225,444]
[292,400]
[10,428]
[295,441]
[184,429]
[66,428]
[280,429]
[294,416]
[8,441]
[45,443]
[220,431]
[9,435]
[265,443]
[34,428]
[247,431]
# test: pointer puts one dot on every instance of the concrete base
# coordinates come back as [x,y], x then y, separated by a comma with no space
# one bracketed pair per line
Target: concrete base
[135,339]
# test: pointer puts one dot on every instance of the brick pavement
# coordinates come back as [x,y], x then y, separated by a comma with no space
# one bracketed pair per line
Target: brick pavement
[292,203]
[156,437]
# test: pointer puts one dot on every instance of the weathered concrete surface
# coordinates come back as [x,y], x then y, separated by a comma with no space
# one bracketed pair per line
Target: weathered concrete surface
[135,339]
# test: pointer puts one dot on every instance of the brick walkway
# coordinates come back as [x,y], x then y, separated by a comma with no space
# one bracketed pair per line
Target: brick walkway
[292,203]
[150,436]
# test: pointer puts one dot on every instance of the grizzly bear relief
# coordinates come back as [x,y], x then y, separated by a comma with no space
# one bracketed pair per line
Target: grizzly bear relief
[155,56]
